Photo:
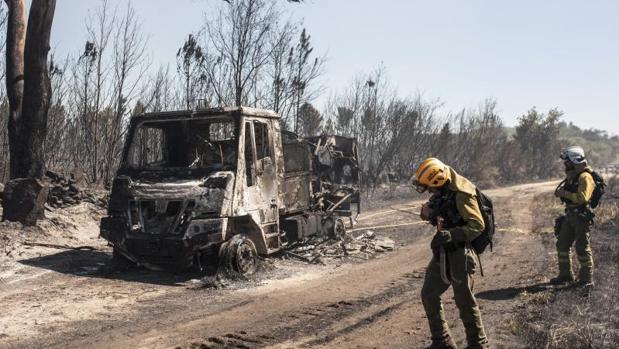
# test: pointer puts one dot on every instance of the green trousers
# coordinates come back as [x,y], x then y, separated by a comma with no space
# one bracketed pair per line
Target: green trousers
[575,231]
[463,265]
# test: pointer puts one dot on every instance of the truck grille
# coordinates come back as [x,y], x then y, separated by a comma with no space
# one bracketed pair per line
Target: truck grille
[157,216]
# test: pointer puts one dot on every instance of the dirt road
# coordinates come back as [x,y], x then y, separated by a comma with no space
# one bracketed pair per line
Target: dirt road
[76,299]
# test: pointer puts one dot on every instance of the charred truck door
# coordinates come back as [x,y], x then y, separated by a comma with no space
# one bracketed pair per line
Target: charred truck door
[260,198]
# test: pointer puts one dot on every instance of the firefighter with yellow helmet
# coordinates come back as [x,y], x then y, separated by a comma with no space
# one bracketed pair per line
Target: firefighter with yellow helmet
[455,210]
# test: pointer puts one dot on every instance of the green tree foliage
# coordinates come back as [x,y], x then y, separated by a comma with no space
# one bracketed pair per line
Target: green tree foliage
[537,135]
[601,148]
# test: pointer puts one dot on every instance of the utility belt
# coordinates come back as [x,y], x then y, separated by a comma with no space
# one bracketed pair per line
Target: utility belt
[582,212]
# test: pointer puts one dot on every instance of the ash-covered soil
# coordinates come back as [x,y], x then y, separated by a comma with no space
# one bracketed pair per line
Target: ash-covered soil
[573,317]
[76,298]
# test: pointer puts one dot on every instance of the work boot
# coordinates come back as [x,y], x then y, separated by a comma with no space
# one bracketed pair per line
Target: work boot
[441,346]
[584,287]
[446,343]
[562,279]
[584,283]
[585,277]
[483,345]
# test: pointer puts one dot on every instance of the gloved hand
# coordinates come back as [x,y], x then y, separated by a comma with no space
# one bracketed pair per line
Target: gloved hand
[426,212]
[444,239]
[560,193]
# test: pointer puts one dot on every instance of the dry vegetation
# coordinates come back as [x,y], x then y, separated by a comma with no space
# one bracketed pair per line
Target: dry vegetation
[97,89]
[570,317]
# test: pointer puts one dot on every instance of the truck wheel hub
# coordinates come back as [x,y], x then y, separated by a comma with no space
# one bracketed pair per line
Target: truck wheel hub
[245,258]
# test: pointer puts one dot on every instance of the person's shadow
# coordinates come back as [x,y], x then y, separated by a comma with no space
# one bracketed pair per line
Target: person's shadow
[502,294]
[99,264]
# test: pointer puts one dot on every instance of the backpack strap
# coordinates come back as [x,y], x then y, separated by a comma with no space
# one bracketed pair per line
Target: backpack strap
[561,184]
[481,267]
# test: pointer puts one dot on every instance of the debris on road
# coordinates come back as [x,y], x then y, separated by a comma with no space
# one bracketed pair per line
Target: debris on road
[384,244]
[60,247]
[363,246]
[216,281]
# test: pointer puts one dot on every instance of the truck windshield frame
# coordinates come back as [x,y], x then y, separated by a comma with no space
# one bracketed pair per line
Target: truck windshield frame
[185,144]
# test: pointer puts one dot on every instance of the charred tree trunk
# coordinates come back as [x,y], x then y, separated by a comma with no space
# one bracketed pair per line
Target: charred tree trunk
[15,42]
[37,90]
[26,193]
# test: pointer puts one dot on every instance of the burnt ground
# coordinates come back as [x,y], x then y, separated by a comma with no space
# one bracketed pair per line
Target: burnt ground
[570,317]
[78,298]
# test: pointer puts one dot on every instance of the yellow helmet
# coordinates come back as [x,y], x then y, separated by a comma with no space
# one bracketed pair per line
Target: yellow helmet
[431,173]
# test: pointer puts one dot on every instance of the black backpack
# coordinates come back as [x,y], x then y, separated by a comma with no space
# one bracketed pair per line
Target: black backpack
[487,212]
[598,191]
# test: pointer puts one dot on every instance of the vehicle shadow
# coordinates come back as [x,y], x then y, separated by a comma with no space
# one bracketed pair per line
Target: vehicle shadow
[507,293]
[99,264]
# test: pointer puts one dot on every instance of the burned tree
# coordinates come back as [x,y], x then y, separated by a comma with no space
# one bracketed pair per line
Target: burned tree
[278,75]
[310,120]
[15,42]
[29,91]
[190,60]
[99,29]
[129,65]
[304,70]
[239,39]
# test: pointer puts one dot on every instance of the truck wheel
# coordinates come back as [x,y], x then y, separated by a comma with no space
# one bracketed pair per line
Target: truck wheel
[335,228]
[339,229]
[239,254]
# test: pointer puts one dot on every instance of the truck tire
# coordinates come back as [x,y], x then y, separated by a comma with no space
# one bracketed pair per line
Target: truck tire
[339,229]
[239,255]
[334,227]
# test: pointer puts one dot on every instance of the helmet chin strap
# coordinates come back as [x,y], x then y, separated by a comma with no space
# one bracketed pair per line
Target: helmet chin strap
[582,165]
[442,189]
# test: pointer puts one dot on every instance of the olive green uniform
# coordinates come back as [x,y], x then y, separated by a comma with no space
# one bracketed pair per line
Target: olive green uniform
[576,225]
[462,265]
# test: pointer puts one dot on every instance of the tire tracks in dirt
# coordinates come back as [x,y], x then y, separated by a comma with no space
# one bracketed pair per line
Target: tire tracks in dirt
[331,320]
[290,313]
[372,304]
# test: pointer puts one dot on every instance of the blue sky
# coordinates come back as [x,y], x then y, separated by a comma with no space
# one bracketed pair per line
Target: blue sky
[523,53]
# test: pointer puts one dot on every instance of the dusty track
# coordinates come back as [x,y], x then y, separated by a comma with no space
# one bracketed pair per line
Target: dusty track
[75,300]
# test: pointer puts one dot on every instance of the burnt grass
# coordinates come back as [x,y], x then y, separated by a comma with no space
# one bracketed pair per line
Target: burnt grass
[572,317]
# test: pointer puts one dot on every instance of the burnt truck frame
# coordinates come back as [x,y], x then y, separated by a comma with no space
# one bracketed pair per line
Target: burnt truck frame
[225,182]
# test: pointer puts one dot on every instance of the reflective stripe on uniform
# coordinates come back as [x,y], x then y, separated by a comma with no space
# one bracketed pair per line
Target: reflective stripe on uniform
[585,261]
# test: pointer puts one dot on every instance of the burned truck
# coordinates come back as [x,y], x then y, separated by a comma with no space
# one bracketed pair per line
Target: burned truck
[225,184]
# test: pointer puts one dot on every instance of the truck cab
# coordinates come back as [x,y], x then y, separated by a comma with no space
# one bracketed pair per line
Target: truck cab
[225,182]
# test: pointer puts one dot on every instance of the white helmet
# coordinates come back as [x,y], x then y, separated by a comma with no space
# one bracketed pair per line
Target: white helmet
[574,153]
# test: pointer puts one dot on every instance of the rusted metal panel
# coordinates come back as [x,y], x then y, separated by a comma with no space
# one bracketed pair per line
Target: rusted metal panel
[295,193]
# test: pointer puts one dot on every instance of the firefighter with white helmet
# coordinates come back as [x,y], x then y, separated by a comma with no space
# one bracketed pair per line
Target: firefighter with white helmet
[573,228]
